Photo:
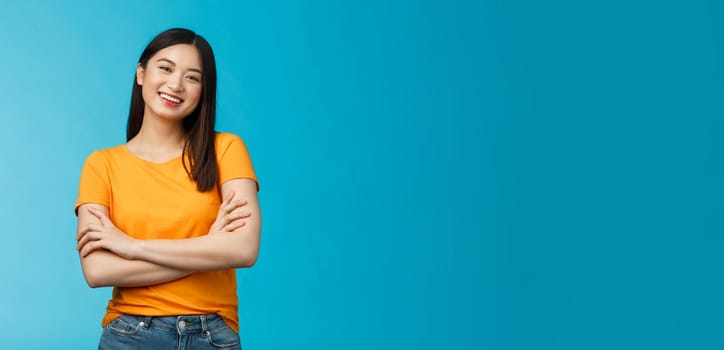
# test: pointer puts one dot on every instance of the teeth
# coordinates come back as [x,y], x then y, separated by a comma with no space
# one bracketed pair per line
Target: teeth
[171,98]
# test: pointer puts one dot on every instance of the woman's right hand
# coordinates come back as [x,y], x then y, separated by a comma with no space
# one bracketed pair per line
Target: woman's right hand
[231,215]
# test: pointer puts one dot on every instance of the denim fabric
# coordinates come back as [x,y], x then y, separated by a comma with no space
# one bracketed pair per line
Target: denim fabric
[169,332]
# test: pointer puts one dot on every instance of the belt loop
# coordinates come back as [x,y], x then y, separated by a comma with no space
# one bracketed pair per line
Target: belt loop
[203,323]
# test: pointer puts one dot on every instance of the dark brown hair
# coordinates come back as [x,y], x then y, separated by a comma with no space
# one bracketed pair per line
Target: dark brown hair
[199,152]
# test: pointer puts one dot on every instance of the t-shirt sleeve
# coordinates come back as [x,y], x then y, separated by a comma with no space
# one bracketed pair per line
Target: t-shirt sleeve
[94,184]
[234,160]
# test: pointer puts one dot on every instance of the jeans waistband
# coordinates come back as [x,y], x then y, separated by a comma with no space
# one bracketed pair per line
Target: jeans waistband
[182,324]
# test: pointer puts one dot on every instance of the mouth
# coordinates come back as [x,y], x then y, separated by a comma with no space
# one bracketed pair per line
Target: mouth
[170,100]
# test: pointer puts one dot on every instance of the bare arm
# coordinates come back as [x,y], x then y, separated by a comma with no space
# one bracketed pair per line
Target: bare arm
[102,268]
[219,250]
[238,248]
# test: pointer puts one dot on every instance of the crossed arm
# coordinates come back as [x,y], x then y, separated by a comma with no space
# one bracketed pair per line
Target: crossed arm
[109,257]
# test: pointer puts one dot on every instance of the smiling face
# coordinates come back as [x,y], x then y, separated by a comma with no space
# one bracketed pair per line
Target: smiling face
[171,82]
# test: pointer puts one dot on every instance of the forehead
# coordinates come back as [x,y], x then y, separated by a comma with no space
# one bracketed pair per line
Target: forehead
[182,55]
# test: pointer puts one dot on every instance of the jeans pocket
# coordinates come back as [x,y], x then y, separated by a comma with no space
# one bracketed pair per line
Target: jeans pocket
[222,336]
[124,325]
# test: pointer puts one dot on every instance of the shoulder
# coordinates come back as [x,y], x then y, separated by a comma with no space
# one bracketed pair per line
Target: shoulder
[227,142]
[223,139]
[233,158]
[104,154]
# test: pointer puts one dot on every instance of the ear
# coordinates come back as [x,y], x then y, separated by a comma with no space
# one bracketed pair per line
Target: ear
[139,74]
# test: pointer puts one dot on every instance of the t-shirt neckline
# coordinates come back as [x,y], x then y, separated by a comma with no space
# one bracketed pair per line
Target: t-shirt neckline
[134,156]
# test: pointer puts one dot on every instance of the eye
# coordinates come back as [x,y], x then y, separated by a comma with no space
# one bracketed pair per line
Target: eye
[193,78]
[165,68]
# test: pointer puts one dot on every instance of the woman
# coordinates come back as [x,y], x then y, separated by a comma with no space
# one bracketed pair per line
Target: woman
[167,217]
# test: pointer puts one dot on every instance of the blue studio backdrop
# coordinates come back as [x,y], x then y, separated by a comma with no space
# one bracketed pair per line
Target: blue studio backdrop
[434,174]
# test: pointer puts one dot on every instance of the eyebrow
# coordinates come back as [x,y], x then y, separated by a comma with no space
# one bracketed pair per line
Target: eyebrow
[174,63]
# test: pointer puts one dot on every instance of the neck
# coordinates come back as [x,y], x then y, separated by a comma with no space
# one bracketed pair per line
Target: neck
[158,139]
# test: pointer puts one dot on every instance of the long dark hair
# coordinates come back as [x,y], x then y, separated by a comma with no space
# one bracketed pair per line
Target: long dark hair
[199,152]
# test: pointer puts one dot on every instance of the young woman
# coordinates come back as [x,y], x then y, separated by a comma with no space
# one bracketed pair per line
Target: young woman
[166,218]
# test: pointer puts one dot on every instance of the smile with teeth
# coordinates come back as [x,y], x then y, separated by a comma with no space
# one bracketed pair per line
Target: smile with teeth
[170,98]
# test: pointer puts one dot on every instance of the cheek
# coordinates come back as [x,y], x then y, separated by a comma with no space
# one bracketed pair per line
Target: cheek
[147,92]
[196,96]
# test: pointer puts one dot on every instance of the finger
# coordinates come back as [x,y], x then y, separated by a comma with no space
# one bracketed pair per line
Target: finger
[222,209]
[82,231]
[91,236]
[88,228]
[105,220]
[235,205]
[228,227]
[90,248]
[231,217]
[224,222]
[94,212]
[227,208]
[238,224]
[229,197]
[240,215]
[225,202]
[233,226]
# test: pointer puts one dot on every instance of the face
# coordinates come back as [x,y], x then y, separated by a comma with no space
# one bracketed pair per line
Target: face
[171,82]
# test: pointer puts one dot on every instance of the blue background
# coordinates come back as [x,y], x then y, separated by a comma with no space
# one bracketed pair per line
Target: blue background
[434,174]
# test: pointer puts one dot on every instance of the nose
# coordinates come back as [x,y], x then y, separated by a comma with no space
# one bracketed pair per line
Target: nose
[175,82]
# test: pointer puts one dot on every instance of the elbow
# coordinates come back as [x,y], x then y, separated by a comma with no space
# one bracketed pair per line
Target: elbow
[247,251]
[249,262]
[93,284]
[93,281]
[94,277]
[246,259]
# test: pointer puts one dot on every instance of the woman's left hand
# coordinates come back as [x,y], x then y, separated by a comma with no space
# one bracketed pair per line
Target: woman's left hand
[105,235]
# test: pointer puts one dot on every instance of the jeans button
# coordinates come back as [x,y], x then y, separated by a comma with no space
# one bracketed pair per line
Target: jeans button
[182,324]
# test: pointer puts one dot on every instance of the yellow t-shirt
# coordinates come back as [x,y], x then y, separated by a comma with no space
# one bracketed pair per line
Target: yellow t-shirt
[159,201]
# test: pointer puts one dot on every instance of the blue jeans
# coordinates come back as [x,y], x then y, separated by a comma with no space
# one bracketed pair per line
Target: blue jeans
[169,332]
